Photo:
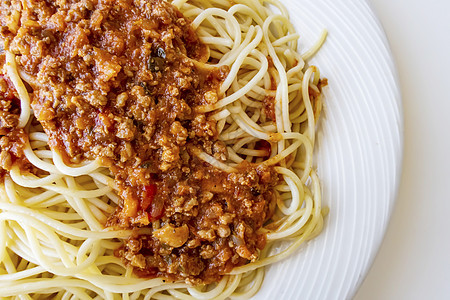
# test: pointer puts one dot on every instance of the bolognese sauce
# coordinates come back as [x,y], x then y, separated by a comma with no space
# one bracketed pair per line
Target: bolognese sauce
[12,138]
[117,81]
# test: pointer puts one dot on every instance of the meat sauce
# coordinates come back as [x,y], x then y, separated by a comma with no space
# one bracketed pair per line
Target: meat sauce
[12,139]
[115,81]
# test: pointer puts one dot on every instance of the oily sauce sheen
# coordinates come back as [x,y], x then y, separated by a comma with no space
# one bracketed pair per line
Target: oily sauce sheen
[115,81]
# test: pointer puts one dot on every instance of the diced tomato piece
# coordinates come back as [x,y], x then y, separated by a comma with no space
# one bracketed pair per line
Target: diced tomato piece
[148,195]
[154,205]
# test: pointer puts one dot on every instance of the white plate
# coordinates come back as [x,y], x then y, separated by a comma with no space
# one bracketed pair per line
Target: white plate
[358,153]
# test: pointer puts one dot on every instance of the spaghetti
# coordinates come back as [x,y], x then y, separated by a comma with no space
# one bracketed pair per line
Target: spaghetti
[69,222]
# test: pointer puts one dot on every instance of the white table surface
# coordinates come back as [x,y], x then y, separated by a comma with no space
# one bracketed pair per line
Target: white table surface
[414,259]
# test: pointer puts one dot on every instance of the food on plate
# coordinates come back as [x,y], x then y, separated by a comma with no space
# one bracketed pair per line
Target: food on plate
[153,149]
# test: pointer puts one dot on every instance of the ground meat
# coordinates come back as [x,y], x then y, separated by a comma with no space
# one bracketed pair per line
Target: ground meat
[223,213]
[115,81]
